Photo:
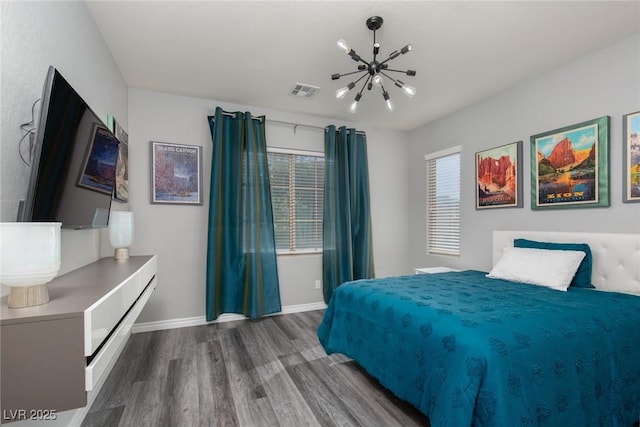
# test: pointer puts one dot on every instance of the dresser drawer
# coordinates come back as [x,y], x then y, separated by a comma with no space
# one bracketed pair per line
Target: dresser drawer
[108,354]
[147,272]
[102,317]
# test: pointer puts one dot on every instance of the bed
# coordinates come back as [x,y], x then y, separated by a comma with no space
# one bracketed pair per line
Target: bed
[469,350]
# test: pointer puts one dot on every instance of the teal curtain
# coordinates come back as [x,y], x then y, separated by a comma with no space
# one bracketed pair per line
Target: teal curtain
[347,252]
[242,274]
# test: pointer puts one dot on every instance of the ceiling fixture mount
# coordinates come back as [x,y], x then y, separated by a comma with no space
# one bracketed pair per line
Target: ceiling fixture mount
[375,71]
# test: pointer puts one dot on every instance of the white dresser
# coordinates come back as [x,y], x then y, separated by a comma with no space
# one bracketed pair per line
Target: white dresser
[53,354]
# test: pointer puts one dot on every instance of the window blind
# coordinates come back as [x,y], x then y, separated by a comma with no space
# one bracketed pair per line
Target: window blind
[443,202]
[297,191]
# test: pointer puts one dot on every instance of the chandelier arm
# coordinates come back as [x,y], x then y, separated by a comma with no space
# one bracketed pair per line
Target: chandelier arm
[389,77]
[365,83]
[408,90]
[353,72]
[364,62]
[393,56]
[397,71]
[361,77]
[357,57]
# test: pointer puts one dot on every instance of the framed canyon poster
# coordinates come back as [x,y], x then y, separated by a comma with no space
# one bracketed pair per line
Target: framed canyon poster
[176,173]
[570,166]
[499,177]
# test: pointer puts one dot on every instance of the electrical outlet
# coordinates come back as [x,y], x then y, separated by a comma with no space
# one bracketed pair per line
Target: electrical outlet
[318,284]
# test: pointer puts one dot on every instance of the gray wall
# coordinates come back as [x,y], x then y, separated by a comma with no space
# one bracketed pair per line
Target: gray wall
[177,233]
[38,34]
[604,83]
[63,34]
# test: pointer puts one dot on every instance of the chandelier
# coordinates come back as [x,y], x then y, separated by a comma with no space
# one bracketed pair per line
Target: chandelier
[374,71]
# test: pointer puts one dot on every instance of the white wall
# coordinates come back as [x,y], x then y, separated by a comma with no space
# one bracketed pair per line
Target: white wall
[63,34]
[600,84]
[34,36]
[178,233]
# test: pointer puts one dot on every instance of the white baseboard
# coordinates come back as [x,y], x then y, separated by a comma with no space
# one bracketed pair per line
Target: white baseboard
[202,320]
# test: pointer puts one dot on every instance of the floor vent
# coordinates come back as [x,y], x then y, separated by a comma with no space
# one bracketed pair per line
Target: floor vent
[304,91]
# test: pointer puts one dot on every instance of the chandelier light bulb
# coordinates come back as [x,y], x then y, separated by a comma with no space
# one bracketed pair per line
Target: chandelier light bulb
[406,49]
[377,80]
[390,105]
[354,105]
[342,44]
[410,91]
[340,93]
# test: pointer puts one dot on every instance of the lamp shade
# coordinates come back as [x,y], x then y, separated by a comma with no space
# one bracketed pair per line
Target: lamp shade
[121,232]
[29,259]
[29,252]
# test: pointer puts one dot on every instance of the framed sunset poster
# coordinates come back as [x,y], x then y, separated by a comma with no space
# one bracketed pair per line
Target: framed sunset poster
[499,177]
[631,152]
[570,166]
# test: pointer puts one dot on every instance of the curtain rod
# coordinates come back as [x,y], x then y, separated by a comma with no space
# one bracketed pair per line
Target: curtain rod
[280,122]
[296,125]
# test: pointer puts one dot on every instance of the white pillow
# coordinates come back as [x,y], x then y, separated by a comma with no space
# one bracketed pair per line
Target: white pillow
[551,268]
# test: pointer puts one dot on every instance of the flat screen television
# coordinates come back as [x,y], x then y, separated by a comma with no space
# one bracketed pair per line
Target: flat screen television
[73,161]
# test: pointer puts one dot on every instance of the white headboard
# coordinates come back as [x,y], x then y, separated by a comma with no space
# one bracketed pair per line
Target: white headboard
[616,256]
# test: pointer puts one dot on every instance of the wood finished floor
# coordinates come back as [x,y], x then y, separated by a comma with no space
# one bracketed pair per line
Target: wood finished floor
[263,373]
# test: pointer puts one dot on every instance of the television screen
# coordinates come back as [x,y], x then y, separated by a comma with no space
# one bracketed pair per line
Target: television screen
[73,161]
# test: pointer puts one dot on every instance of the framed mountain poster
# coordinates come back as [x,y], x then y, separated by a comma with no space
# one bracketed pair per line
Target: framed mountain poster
[570,166]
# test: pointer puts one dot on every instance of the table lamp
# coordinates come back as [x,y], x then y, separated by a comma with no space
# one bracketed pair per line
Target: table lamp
[29,259]
[121,233]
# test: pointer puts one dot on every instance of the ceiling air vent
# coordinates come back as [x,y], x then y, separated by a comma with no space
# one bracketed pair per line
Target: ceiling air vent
[304,91]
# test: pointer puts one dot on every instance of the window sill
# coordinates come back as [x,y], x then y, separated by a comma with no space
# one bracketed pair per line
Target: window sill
[302,252]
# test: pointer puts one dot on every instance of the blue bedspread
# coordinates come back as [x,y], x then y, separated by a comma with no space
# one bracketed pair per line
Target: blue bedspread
[468,350]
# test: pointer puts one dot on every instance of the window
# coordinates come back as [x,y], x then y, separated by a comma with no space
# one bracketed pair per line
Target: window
[443,202]
[297,187]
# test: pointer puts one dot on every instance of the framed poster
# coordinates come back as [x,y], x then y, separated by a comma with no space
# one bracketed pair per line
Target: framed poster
[176,173]
[570,166]
[631,156]
[499,177]
[121,190]
[99,164]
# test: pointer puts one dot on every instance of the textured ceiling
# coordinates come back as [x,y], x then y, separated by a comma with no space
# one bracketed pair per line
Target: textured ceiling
[253,53]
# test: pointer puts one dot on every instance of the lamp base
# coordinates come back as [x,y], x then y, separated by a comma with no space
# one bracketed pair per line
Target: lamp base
[121,254]
[28,296]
